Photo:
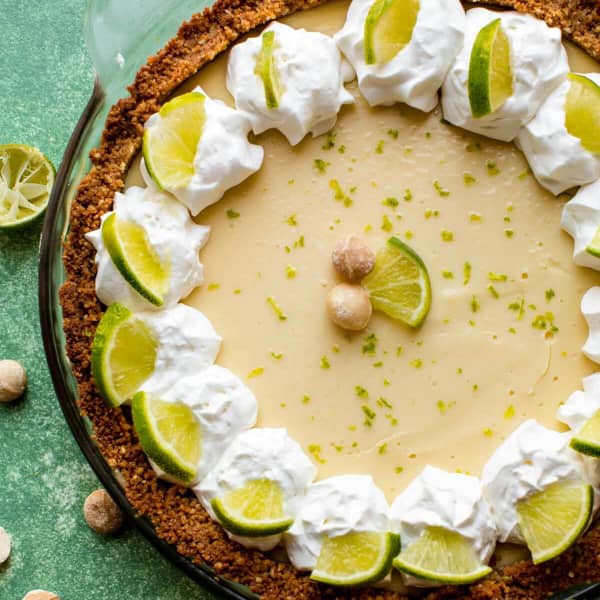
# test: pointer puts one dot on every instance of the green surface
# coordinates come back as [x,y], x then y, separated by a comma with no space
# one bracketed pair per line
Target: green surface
[46,79]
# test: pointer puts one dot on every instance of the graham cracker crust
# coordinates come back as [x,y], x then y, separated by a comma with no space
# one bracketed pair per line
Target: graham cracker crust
[175,512]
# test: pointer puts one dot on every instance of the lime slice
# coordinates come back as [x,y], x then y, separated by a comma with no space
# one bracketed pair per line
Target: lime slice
[170,145]
[169,434]
[26,178]
[388,28]
[593,247]
[123,354]
[267,71]
[490,70]
[356,558]
[587,439]
[255,510]
[553,519]
[582,111]
[443,556]
[399,283]
[132,254]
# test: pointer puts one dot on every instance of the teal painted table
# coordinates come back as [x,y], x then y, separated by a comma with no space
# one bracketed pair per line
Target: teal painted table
[45,80]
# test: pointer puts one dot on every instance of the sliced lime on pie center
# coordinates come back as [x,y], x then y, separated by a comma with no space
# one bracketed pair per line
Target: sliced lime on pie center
[123,354]
[170,145]
[389,28]
[356,558]
[490,70]
[132,254]
[443,556]
[553,519]
[169,434]
[254,510]
[582,111]
[267,70]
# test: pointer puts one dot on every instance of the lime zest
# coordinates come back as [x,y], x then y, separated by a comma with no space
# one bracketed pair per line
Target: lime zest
[490,70]
[169,434]
[124,353]
[389,28]
[442,556]
[26,180]
[132,254]
[553,519]
[254,510]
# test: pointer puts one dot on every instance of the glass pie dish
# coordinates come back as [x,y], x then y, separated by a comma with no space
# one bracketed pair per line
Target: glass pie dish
[119,39]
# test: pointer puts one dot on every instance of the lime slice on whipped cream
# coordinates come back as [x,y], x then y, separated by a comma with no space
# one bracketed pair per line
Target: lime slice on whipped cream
[170,144]
[133,256]
[356,558]
[124,352]
[442,556]
[587,439]
[267,70]
[254,510]
[26,179]
[582,111]
[490,71]
[389,28]
[553,519]
[399,283]
[170,434]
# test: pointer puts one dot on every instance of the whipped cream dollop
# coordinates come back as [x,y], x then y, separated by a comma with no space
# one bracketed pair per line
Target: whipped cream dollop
[581,219]
[539,65]
[530,459]
[416,73]
[174,237]
[224,407]
[579,407]
[187,344]
[590,308]
[224,156]
[331,508]
[437,498]
[310,73]
[260,453]
[558,159]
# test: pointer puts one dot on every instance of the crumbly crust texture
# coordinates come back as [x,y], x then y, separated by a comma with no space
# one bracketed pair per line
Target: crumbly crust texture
[176,514]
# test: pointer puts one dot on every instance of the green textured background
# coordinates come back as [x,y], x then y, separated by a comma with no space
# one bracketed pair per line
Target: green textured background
[45,80]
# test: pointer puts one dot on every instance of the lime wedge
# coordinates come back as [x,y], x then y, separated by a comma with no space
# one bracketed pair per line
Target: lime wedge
[356,558]
[26,178]
[388,28]
[132,254]
[170,146]
[169,434]
[267,71]
[255,510]
[123,355]
[443,556]
[399,283]
[490,70]
[553,519]
[587,439]
[593,247]
[582,111]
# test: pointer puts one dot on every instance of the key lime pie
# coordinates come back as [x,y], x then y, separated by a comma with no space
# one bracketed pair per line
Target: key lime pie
[321,310]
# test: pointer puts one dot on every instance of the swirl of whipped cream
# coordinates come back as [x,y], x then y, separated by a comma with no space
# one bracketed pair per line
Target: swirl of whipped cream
[224,156]
[557,158]
[539,65]
[531,458]
[416,73]
[224,407]
[173,235]
[331,508]
[311,74]
[581,219]
[260,453]
[590,308]
[449,500]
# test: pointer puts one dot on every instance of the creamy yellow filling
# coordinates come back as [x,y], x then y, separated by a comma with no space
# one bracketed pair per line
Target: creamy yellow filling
[502,342]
